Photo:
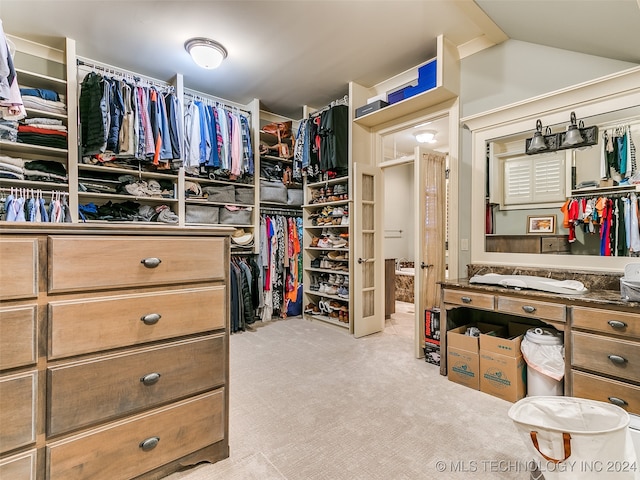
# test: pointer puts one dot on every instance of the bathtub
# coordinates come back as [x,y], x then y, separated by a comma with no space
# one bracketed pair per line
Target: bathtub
[405,277]
[406,271]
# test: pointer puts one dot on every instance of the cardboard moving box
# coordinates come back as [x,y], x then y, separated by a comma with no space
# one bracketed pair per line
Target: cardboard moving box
[462,354]
[503,376]
[463,367]
[503,371]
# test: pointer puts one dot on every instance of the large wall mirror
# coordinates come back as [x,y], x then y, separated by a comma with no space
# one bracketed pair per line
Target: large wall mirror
[545,207]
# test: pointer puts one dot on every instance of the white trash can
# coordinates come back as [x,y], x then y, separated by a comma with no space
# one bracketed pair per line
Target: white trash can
[543,350]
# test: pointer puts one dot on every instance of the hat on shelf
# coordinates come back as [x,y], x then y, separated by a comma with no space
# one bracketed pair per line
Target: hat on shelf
[240,237]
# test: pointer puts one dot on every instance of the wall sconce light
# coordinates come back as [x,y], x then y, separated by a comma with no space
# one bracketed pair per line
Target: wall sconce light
[426,136]
[573,137]
[540,142]
[205,52]
[537,143]
[577,135]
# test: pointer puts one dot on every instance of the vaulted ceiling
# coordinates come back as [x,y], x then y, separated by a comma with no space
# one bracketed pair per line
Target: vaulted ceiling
[304,52]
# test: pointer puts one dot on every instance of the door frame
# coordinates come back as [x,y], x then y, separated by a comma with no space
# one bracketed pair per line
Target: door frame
[451,110]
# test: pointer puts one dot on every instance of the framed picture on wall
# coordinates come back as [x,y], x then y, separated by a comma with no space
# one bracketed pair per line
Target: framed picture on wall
[541,224]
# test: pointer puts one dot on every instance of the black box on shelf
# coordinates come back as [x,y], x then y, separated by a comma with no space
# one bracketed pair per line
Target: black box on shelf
[370,107]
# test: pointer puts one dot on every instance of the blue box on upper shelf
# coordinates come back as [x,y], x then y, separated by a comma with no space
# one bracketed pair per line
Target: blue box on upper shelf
[427,78]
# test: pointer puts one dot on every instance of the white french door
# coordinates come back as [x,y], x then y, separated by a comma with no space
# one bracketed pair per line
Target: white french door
[368,259]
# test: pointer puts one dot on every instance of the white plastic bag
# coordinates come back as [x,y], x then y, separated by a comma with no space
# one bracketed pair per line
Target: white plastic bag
[576,438]
[546,359]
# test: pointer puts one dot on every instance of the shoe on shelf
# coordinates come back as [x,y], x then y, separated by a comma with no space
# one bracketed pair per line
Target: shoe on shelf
[324,243]
[314,242]
[331,290]
[343,292]
[316,263]
[310,308]
[337,212]
[345,220]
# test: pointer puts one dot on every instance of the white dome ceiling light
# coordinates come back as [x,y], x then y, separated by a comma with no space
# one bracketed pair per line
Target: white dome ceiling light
[426,136]
[205,52]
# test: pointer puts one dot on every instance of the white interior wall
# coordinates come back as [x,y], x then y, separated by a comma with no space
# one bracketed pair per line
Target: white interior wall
[399,212]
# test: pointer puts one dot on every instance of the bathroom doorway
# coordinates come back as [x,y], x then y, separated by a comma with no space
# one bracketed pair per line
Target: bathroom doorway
[415,196]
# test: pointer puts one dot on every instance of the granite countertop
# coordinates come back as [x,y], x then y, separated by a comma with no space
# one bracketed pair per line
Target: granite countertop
[594,298]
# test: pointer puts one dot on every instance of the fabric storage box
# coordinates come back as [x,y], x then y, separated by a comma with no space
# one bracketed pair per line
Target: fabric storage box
[235,217]
[221,194]
[245,195]
[202,214]
[273,192]
[295,197]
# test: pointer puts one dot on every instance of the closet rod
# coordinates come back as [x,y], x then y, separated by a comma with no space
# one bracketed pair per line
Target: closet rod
[620,191]
[103,67]
[293,212]
[620,123]
[340,101]
[210,101]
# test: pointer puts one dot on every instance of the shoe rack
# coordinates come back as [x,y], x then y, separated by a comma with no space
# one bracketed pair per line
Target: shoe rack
[327,252]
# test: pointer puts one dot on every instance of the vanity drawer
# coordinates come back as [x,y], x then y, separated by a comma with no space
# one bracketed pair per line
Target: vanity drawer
[599,353]
[111,322]
[18,336]
[607,321]
[18,410]
[19,467]
[470,299]
[603,389]
[86,392]
[19,272]
[101,262]
[532,309]
[124,450]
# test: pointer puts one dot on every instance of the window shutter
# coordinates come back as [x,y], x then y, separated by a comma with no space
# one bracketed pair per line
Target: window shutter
[535,179]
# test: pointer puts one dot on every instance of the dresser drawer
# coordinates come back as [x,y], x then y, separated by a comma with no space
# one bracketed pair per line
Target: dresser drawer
[627,324]
[18,410]
[532,308]
[87,392]
[619,358]
[19,467]
[602,389]
[19,270]
[470,299]
[124,450]
[17,336]
[111,322]
[104,262]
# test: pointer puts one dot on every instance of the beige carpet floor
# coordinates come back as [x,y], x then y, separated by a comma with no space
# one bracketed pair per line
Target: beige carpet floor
[310,402]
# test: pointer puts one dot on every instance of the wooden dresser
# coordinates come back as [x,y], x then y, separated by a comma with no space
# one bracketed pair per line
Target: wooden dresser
[601,334]
[113,351]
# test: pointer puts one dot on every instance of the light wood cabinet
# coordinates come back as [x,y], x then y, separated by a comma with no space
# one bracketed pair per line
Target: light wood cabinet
[605,362]
[113,351]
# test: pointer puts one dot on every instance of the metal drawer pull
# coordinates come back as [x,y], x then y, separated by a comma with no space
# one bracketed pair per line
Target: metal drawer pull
[617,324]
[618,401]
[150,378]
[151,262]
[528,308]
[465,299]
[617,359]
[151,319]
[149,444]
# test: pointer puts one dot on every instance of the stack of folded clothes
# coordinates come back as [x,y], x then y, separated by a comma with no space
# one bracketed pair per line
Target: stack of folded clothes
[11,167]
[43,99]
[8,130]
[46,132]
[45,171]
